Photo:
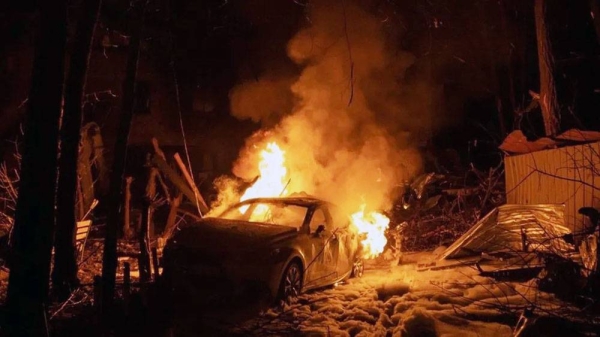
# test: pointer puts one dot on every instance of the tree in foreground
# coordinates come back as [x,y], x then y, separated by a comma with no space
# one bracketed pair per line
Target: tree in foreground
[64,275]
[34,217]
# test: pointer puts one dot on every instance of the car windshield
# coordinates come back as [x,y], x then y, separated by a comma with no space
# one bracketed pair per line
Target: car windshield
[279,213]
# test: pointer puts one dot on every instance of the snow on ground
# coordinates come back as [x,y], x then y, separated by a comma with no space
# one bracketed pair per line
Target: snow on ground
[392,300]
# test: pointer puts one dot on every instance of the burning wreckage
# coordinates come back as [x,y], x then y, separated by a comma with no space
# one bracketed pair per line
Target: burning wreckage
[284,245]
[281,244]
[269,244]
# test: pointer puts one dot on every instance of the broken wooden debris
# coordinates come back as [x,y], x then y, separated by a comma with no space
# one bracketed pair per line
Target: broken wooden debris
[81,234]
[90,156]
[155,263]
[172,217]
[515,274]
[157,149]
[151,184]
[164,187]
[174,177]
[203,207]
[448,264]
[144,241]
[511,265]
[462,192]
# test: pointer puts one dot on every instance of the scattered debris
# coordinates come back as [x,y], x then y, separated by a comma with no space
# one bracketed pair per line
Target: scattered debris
[435,209]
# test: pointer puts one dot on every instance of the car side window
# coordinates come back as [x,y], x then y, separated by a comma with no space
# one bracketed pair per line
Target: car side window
[317,219]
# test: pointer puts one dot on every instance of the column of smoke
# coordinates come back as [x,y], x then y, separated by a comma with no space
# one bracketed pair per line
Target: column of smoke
[346,136]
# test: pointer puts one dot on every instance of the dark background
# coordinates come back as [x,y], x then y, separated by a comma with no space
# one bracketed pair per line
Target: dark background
[479,56]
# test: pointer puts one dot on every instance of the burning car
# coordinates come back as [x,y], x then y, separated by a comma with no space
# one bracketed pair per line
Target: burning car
[284,246]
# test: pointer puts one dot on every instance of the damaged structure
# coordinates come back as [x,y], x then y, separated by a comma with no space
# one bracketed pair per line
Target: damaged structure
[549,226]
[564,170]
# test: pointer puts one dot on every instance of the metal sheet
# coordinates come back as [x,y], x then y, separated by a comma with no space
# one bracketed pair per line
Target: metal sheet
[502,229]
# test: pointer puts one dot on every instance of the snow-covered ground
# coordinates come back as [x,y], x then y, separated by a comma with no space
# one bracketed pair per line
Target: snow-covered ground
[398,300]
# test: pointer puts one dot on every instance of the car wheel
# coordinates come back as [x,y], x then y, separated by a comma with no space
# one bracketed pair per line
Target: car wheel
[291,282]
[358,268]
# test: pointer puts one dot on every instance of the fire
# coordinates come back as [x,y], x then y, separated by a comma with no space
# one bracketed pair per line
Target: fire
[373,226]
[272,181]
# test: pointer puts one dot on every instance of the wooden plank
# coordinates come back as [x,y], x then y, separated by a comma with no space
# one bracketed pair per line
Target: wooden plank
[82,232]
[201,203]
[172,175]
[170,226]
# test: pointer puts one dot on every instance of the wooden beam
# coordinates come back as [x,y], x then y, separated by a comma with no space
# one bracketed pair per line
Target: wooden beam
[201,203]
[168,231]
[172,175]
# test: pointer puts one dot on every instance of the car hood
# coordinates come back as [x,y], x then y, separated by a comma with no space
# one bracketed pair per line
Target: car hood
[222,234]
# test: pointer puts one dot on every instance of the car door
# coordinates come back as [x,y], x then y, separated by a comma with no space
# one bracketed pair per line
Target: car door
[346,243]
[321,265]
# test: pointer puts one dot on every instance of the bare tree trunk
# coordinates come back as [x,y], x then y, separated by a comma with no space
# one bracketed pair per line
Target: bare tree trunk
[548,95]
[510,73]
[34,218]
[126,209]
[64,275]
[144,241]
[494,81]
[114,198]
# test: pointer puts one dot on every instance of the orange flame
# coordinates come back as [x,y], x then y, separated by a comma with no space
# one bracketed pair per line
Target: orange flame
[273,175]
[272,182]
[373,226]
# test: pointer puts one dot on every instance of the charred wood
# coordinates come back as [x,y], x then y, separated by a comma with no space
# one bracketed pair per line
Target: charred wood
[174,177]
[172,217]
[200,203]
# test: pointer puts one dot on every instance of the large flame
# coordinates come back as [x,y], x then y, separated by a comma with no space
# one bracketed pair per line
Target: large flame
[341,145]
[272,181]
[372,225]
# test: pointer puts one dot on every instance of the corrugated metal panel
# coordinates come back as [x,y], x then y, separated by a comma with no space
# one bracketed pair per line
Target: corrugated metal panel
[567,175]
[502,229]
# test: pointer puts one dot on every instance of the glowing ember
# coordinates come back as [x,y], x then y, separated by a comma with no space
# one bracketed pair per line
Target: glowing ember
[273,175]
[373,225]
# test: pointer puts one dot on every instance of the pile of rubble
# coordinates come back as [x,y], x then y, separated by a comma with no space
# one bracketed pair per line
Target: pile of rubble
[435,209]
